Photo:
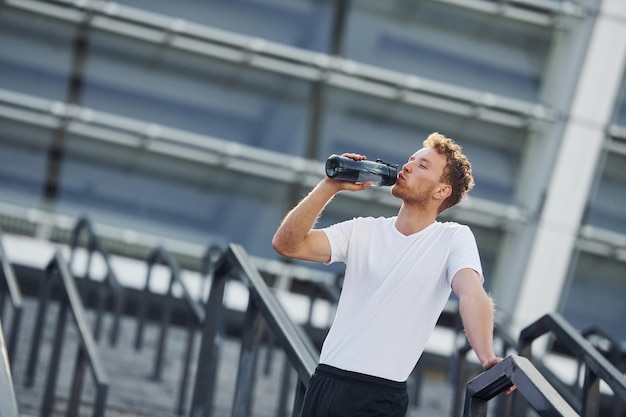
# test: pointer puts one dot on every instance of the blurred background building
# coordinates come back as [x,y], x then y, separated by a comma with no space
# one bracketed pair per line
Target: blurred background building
[202,122]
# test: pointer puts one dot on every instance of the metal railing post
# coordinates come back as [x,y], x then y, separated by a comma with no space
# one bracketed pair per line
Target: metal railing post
[47,404]
[459,379]
[182,394]
[35,345]
[15,296]
[141,311]
[206,371]
[209,259]
[264,310]
[285,383]
[195,310]
[77,384]
[166,314]
[591,394]
[251,334]
[112,286]
[597,367]
[8,402]
[299,398]
[69,302]
[102,392]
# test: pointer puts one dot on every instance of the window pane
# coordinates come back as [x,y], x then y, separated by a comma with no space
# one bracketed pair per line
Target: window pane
[596,296]
[35,54]
[300,23]
[393,131]
[449,44]
[199,95]
[606,207]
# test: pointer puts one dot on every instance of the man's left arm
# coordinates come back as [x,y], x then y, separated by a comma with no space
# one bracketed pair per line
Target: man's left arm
[477,311]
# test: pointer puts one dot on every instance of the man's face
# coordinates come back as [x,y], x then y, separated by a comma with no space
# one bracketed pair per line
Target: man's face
[420,177]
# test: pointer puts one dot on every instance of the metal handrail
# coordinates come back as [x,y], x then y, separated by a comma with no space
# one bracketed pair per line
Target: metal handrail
[615,352]
[94,244]
[87,352]
[163,256]
[263,310]
[8,402]
[15,296]
[597,367]
[518,371]
[460,377]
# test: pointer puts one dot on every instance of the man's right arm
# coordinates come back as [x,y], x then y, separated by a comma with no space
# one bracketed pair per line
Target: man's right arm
[296,237]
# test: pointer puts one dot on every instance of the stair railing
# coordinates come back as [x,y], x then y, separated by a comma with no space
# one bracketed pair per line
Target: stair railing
[518,371]
[597,367]
[160,255]
[9,282]
[614,351]
[57,272]
[460,375]
[113,285]
[8,402]
[315,285]
[264,311]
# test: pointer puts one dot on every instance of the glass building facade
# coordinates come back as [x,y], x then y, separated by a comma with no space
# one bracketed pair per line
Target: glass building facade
[206,121]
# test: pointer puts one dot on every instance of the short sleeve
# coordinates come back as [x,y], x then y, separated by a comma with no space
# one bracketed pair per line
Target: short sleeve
[339,238]
[463,254]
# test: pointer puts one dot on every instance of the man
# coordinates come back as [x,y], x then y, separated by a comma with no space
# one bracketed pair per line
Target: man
[399,275]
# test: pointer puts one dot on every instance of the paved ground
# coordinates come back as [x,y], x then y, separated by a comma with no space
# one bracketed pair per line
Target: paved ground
[134,393]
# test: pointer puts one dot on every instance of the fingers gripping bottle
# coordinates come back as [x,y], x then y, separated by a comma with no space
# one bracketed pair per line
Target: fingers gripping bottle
[345,169]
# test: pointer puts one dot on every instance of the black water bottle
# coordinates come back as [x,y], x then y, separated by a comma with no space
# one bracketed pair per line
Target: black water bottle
[346,169]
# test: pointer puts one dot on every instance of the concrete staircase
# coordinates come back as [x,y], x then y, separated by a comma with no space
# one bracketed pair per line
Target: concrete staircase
[132,391]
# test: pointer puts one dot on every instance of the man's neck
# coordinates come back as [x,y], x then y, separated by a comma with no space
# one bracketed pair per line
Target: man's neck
[413,219]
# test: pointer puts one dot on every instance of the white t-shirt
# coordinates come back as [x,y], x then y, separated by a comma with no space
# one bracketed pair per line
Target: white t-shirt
[394,290]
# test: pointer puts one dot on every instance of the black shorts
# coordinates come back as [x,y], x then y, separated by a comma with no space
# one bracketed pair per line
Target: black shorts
[333,392]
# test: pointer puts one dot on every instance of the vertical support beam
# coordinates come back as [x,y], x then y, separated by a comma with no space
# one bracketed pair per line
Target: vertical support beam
[570,40]
[575,166]
[339,24]
[318,88]
[74,93]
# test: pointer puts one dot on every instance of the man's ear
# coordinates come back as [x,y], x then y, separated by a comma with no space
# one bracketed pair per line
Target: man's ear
[443,192]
